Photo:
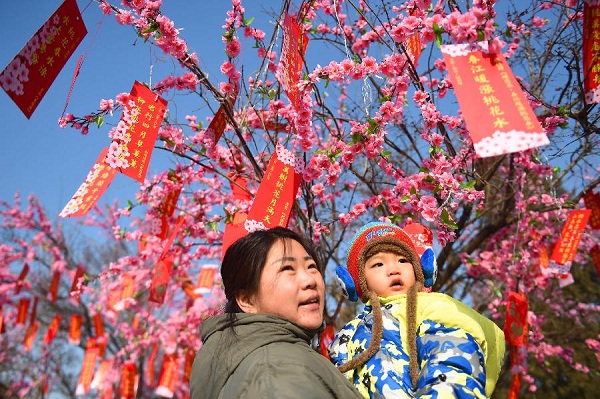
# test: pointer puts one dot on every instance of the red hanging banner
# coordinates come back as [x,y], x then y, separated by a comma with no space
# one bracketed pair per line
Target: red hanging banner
[234,231]
[100,375]
[276,194]
[164,266]
[206,280]
[219,122]
[149,371]
[566,247]
[129,380]
[21,279]
[413,44]
[98,325]
[190,355]
[595,254]
[495,109]
[33,311]
[293,49]
[30,335]
[592,202]
[52,330]
[87,367]
[131,151]
[54,284]
[515,327]
[90,191]
[74,292]
[75,329]
[591,49]
[239,187]
[23,310]
[128,282]
[31,73]
[169,374]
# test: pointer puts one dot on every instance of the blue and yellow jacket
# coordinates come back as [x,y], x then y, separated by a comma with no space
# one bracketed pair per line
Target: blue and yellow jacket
[460,352]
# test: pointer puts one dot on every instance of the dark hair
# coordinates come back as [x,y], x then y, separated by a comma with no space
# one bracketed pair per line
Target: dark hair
[245,259]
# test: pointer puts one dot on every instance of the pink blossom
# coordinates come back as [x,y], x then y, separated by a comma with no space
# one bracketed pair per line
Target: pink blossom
[233,48]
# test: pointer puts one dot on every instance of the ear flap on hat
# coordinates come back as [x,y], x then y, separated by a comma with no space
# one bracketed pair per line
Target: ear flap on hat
[429,266]
[346,283]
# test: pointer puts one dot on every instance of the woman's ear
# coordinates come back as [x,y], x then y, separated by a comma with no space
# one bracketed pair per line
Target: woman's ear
[245,302]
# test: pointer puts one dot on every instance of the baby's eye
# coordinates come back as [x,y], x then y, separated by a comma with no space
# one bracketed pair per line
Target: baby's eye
[403,260]
[378,264]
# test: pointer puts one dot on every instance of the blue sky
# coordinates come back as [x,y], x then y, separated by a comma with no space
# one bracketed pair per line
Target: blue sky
[37,156]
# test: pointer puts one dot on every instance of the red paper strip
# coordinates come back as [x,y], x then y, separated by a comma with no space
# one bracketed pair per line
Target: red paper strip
[206,280]
[21,278]
[160,279]
[23,310]
[166,209]
[75,329]
[74,293]
[592,202]
[292,59]
[1,319]
[131,153]
[54,284]
[164,266]
[98,325]
[30,335]
[168,376]
[31,73]
[149,371]
[239,187]
[190,355]
[326,339]
[52,330]
[515,327]
[591,44]
[566,247]
[87,367]
[90,191]
[33,311]
[413,44]
[595,254]
[103,369]
[495,109]
[234,231]
[127,292]
[277,192]
[129,379]
[219,122]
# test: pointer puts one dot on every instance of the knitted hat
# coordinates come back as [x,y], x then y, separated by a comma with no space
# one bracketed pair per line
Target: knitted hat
[377,237]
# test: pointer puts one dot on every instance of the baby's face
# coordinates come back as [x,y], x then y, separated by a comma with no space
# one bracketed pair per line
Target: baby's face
[389,274]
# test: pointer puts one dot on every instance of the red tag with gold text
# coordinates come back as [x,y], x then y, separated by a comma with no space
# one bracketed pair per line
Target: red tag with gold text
[206,280]
[98,325]
[75,329]
[130,153]
[129,381]
[591,46]
[23,310]
[239,187]
[276,194]
[90,191]
[293,49]
[21,278]
[495,109]
[168,376]
[592,202]
[566,247]
[515,327]
[31,73]
[87,367]
[234,231]
[164,266]
[52,330]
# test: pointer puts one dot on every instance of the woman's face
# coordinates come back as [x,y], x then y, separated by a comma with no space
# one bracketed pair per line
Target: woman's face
[291,286]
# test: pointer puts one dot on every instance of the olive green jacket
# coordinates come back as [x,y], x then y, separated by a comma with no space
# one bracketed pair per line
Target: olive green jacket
[267,357]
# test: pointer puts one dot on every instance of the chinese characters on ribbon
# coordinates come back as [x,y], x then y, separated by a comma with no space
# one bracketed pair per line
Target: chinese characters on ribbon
[31,73]
[496,112]
[591,50]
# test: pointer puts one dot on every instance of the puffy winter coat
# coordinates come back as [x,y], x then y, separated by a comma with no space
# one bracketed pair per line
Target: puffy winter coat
[263,356]
[460,352]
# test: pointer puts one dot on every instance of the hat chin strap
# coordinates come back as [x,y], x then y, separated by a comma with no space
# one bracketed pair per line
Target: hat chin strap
[375,337]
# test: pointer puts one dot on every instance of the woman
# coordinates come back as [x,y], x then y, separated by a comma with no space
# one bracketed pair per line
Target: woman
[260,347]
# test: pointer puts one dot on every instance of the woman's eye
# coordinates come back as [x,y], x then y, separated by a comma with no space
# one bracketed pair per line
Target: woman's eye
[287,267]
[312,266]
